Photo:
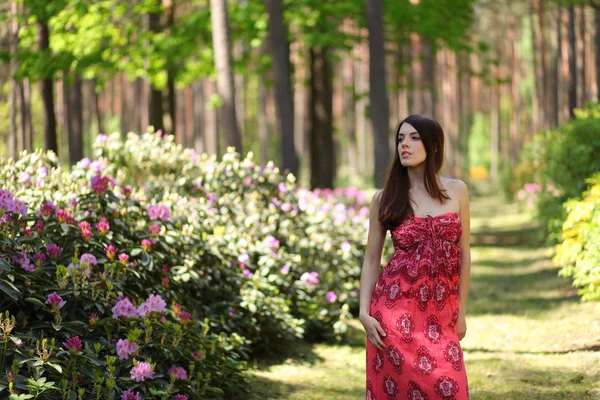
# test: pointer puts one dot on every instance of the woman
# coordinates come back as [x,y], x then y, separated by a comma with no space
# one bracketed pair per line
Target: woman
[415,316]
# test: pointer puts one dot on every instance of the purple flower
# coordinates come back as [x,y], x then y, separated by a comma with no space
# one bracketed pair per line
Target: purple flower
[271,242]
[142,371]
[310,278]
[146,245]
[243,259]
[285,269]
[24,177]
[247,273]
[180,397]
[331,297]
[159,212]
[100,184]
[24,261]
[55,301]
[46,210]
[130,395]
[61,216]
[39,227]
[178,372]
[53,251]
[282,187]
[124,308]
[111,252]
[346,247]
[154,304]
[154,230]
[73,344]
[184,315]
[88,259]
[84,163]
[103,226]
[126,349]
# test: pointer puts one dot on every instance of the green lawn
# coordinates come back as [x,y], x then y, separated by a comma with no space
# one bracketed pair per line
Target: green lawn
[528,336]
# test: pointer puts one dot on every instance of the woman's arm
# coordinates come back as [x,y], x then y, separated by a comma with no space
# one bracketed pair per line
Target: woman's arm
[465,256]
[370,268]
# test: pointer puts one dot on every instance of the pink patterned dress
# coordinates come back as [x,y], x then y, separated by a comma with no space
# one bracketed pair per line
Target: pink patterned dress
[416,303]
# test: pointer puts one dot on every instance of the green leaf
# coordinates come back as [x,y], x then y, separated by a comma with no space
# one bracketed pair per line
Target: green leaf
[33,300]
[4,266]
[56,367]
[13,294]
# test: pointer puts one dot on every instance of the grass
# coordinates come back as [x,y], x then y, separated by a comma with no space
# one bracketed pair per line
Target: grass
[528,336]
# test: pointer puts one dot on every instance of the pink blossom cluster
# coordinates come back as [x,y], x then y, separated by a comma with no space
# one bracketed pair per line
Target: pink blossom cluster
[24,261]
[154,230]
[53,251]
[146,244]
[131,395]
[142,371]
[55,301]
[331,297]
[110,251]
[73,344]
[46,210]
[76,270]
[10,204]
[125,349]
[88,259]
[124,308]
[154,304]
[103,226]
[86,231]
[271,242]
[123,258]
[159,212]
[178,372]
[310,278]
[180,397]
[100,184]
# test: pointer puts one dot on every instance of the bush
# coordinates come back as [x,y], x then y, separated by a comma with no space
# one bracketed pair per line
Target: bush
[579,251]
[255,259]
[88,307]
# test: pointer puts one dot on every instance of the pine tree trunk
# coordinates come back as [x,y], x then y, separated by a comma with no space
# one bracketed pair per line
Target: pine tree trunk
[581,59]
[321,129]
[283,86]
[597,47]
[198,118]
[572,62]
[223,64]
[47,89]
[74,114]
[26,126]
[13,147]
[380,114]
[155,106]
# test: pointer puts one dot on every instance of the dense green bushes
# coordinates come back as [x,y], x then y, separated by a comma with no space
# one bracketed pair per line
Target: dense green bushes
[560,169]
[255,261]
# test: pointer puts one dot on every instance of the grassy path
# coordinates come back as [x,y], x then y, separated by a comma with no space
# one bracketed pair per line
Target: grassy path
[528,336]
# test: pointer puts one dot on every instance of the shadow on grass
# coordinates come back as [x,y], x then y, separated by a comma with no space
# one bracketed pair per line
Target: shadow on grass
[526,382]
[519,293]
[592,348]
[300,352]
[527,236]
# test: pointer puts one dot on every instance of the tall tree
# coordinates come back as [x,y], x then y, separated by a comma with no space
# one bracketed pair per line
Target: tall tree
[283,86]
[47,88]
[380,113]
[596,6]
[572,62]
[155,106]
[223,64]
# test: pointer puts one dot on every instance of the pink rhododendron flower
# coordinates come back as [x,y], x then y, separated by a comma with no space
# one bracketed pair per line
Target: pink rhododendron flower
[124,308]
[331,297]
[243,259]
[285,269]
[111,252]
[154,304]
[39,227]
[159,212]
[142,371]
[53,251]
[54,301]
[180,397]
[178,372]
[310,278]
[123,258]
[346,247]
[88,259]
[154,230]
[146,244]
[247,273]
[46,210]
[73,344]
[61,216]
[24,261]
[93,319]
[271,242]
[131,395]
[126,349]
[103,226]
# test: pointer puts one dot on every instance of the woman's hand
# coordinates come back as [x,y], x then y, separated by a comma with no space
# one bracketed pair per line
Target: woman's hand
[461,326]
[375,333]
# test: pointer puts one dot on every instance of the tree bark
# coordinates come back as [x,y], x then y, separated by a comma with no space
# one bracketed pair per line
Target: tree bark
[283,86]
[597,47]
[555,69]
[47,89]
[74,114]
[380,114]
[572,62]
[198,117]
[13,146]
[223,64]
[155,106]
[321,129]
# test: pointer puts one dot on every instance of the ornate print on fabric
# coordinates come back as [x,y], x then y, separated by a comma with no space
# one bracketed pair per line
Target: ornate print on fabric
[416,303]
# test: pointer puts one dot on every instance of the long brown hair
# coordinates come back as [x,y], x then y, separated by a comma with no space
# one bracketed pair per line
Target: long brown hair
[394,204]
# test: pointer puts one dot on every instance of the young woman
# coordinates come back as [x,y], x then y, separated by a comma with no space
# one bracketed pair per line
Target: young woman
[414,311]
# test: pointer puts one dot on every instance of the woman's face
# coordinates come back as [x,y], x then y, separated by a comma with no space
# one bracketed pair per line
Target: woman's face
[410,146]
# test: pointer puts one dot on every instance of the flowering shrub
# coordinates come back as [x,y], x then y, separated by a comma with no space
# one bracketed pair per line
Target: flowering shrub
[579,250]
[79,321]
[126,238]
